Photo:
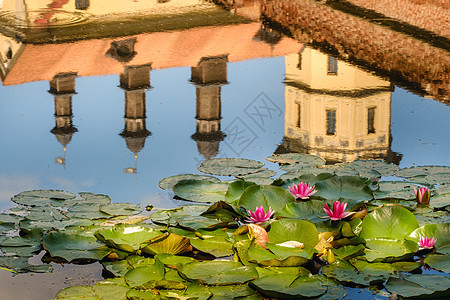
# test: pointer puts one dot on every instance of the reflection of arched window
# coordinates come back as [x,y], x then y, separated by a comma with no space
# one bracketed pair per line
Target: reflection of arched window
[331,122]
[82,4]
[371,120]
[332,65]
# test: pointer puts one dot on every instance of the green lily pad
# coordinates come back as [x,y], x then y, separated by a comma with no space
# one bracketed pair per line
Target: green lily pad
[128,238]
[121,267]
[289,286]
[419,285]
[345,272]
[109,290]
[438,262]
[422,170]
[293,230]
[231,291]
[141,275]
[395,190]
[230,166]
[440,201]
[349,251]
[173,261]
[71,247]
[31,239]
[87,211]
[393,222]
[389,250]
[375,271]
[169,182]
[441,232]
[200,190]
[9,219]
[217,246]
[219,272]
[344,187]
[292,158]
[120,209]
[267,195]
[91,198]
[311,210]
[28,225]
[77,292]
[43,198]
[26,251]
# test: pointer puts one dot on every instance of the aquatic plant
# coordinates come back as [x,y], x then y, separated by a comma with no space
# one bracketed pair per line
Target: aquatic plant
[302,190]
[422,195]
[426,243]
[338,212]
[259,215]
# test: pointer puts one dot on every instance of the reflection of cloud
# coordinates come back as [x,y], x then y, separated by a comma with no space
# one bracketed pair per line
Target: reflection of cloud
[87,183]
[11,185]
[65,183]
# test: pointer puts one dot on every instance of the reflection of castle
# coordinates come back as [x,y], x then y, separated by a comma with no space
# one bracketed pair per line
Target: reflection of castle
[335,110]
[62,86]
[208,76]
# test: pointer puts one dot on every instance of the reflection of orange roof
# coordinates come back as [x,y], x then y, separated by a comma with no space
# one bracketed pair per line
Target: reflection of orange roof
[162,49]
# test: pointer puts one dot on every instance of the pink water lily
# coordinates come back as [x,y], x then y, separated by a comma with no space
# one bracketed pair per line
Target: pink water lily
[338,211]
[259,215]
[426,243]
[422,195]
[302,190]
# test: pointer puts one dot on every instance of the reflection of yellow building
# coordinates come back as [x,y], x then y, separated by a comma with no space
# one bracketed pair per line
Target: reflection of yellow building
[335,110]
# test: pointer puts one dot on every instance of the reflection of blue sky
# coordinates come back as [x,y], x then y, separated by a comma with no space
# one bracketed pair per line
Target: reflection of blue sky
[97,155]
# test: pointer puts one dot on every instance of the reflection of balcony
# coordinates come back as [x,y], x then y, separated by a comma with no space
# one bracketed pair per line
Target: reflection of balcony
[341,116]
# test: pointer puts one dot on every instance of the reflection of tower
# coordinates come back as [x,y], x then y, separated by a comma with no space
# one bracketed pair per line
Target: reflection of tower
[208,76]
[135,80]
[336,110]
[62,86]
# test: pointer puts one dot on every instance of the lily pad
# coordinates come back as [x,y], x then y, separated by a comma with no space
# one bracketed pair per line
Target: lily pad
[219,272]
[267,195]
[441,232]
[438,262]
[141,275]
[230,166]
[170,244]
[395,190]
[169,182]
[393,222]
[128,238]
[344,187]
[200,190]
[311,210]
[217,246]
[71,247]
[389,250]
[120,209]
[422,170]
[293,230]
[43,198]
[418,285]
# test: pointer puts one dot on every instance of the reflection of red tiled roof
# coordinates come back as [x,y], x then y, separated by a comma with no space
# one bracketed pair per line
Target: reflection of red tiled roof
[162,49]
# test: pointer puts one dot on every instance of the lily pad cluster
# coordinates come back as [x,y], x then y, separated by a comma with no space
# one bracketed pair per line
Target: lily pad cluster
[226,245]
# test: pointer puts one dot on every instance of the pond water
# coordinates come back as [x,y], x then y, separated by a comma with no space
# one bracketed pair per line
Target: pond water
[114,113]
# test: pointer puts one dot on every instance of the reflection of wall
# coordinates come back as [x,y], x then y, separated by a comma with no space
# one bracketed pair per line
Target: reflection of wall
[335,110]
[10,50]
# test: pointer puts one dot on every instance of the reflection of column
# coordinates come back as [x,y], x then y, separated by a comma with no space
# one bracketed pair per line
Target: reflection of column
[135,80]
[208,76]
[62,86]
[335,110]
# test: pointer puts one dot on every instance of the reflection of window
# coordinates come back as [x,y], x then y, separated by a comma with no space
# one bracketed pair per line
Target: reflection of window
[82,4]
[299,111]
[332,65]
[331,122]
[299,64]
[371,120]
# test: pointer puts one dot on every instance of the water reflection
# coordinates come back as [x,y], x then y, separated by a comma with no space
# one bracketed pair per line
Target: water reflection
[335,110]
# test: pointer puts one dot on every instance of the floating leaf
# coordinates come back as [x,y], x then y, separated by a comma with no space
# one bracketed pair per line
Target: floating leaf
[71,247]
[141,275]
[293,230]
[395,190]
[422,170]
[129,238]
[418,285]
[169,182]
[388,222]
[217,246]
[389,250]
[289,286]
[344,187]
[120,209]
[267,195]
[170,244]
[121,267]
[438,262]
[218,272]
[43,198]
[230,166]
[305,160]
[200,190]
[441,232]
[310,210]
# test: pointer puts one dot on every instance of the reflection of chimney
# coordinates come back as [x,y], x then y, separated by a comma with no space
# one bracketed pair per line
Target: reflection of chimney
[122,50]
[134,81]
[62,86]
[209,75]
[82,4]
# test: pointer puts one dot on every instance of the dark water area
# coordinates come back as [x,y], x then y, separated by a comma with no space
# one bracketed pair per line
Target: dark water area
[111,98]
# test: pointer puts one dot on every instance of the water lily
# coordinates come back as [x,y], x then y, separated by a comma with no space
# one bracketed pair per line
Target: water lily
[338,211]
[422,195]
[426,243]
[259,215]
[302,190]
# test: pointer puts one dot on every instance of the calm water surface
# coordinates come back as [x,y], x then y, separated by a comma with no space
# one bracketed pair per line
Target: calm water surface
[116,113]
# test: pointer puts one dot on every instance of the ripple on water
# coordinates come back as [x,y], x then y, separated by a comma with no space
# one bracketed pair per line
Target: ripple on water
[42,18]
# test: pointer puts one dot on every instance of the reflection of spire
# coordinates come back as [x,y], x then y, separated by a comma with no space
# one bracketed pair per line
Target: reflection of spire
[135,80]
[208,76]
[62,86]
[335,110]
[268,36]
